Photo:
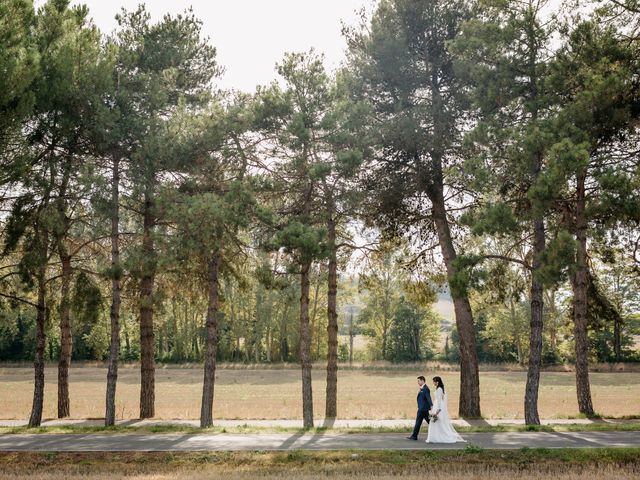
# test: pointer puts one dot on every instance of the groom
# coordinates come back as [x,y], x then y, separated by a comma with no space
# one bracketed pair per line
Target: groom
[424,405]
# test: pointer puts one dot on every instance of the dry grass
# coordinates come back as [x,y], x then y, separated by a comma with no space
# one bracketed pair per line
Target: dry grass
[275,394]
[565,465]
[610,473]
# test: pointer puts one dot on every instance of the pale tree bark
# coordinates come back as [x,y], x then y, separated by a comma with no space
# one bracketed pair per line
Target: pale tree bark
[515,330]
[386,317]
[550,300]
[617,338]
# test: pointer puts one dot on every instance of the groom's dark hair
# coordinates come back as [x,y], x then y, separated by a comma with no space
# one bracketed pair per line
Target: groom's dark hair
[421,378]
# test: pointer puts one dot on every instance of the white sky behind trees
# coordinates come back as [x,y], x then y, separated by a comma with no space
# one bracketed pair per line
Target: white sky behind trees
[251,36]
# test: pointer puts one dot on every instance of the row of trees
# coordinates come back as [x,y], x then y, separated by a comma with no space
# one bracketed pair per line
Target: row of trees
[499,110]
[499,139]
[257,325]
[261,327]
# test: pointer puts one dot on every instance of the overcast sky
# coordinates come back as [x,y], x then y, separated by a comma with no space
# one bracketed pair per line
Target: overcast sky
[252,35]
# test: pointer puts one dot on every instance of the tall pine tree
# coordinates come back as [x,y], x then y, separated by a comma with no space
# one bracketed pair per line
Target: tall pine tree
[405,71]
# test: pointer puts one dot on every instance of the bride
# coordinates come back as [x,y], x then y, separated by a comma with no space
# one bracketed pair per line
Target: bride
[440,428]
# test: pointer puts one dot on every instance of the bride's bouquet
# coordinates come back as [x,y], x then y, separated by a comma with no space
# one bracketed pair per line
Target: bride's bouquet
[433,417]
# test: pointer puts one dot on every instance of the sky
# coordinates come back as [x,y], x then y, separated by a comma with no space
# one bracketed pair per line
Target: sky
[252,35]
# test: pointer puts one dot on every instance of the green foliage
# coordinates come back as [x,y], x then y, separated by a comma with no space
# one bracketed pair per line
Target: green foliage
[17,332]
[468,100]
[306,118]
[403,70]
[492,218]
[557,258]
[19,66]
[405,333]
[303,241]
[414,333]
[397,313]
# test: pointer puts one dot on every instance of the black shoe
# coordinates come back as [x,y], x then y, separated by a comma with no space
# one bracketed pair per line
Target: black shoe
[412,438]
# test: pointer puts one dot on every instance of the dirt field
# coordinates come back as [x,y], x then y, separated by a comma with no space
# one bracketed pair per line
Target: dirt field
[275,394]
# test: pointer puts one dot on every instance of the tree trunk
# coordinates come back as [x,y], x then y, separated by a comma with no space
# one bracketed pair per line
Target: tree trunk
[284,344]
[114,347]
[305,347]
[385,321]
[515,330]
[432,180]
[206,410]
[268,339]
[314,316]
[553,315]
[147,355]
[580,284]
[66,339]
[332,323]
[469,376]
[127,338]
[537,292]
[531,416]
[38,364]
[351,335]
[617,338]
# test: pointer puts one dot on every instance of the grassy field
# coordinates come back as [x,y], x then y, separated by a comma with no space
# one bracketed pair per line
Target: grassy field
[249,429]
[275,394]
[622,464]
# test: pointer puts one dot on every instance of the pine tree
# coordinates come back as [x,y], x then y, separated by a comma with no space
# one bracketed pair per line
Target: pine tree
[160,67]
[504,52]
[596,123]
[405,71]
[53,177]
[210,208]
[347,144]
[300,118]
[19,65]
[76,72]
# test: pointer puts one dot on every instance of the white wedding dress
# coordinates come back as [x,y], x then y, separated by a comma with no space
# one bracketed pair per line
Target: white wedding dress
[441,431]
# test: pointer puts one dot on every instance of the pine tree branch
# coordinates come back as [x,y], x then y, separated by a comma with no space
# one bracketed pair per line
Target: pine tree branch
[508,259]
[13,297]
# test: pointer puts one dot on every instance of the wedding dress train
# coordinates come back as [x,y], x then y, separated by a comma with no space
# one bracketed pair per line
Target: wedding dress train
[442,431]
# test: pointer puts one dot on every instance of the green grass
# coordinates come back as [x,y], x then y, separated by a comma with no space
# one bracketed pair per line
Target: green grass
[470,463]
[76,429]
[471,454]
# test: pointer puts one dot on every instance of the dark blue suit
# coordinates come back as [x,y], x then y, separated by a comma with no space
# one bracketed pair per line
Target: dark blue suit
[424,405]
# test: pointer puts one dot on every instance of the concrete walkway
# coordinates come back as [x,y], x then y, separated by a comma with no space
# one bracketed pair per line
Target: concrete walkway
[259,442]
[340,423]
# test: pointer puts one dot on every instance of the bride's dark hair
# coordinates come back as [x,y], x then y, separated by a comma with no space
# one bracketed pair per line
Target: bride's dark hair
[439,382]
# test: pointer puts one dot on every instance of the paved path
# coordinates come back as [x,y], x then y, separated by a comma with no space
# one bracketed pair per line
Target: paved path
[340,423]
[243,442]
